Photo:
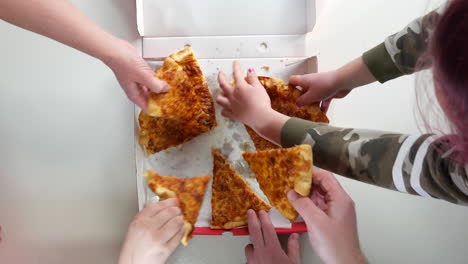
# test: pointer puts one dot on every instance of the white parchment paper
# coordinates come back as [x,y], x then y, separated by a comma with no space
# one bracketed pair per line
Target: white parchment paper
[194,157]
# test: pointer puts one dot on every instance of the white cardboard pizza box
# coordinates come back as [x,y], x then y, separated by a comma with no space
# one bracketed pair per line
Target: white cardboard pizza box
[273,37]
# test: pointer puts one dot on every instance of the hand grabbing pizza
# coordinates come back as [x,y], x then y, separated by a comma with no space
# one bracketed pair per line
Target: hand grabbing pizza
[318,87]
[154,234]
[325,86]
[330,217]
[248,102]
[245,101]
[265,247]
[134,75]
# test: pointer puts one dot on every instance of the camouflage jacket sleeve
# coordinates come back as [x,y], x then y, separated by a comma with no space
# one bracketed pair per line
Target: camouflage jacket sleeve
[402,53]
[419,165]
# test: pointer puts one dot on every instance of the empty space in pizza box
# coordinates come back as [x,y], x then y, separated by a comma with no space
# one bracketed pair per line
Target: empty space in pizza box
[270,36]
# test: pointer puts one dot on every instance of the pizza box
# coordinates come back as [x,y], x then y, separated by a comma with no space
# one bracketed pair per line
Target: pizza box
[273,37]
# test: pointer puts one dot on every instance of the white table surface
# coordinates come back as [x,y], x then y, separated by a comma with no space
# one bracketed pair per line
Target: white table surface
[67,175]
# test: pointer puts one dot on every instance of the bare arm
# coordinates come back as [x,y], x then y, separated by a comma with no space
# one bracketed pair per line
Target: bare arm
[63,22]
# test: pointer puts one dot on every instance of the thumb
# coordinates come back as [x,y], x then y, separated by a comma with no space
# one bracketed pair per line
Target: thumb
[154,84]
[297,80]
[305,99]
[312,215]
[252,78]
[294,250]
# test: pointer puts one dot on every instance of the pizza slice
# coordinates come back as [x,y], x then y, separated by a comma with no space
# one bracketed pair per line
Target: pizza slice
[231,196]
[184,112]
[189,192]
[283,99]
[280,170]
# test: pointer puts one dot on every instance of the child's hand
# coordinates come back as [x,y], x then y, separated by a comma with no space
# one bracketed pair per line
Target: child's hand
[247,101]
[318,87]
[331,220]
[154,234]
[265,247]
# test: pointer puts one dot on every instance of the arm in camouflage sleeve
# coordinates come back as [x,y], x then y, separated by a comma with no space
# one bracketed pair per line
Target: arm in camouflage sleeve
[411,164]
[402,53]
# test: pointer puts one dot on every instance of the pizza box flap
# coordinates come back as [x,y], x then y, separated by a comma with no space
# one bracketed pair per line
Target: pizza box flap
[226,29]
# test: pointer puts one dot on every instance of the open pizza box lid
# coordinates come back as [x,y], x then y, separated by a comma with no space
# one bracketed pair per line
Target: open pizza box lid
[273,37]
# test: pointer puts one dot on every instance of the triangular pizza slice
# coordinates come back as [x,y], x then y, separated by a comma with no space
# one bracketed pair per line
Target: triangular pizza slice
[189,192]
[184,112]
[231,196]
[280,170]
[283,99]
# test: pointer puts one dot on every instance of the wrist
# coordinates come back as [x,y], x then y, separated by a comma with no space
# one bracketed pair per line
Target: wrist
[268,124]
[113,52]
[341,80]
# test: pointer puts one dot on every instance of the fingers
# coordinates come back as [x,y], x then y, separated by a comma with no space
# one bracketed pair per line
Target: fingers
[166,215]
[148,79]
[268,230]
[154,208]
[255,231]
[171,228]
[227,113]
[325,105]
[329,184]
[237,74]
[153,84]
[223,101]
[249,253]
[311,214]
[303,100]
[252,78]
[174,242]
[225,86]
[137,95]
[336,197]
[294,250]
[297,80]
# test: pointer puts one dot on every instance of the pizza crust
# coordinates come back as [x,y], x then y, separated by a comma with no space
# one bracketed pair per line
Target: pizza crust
[189,192]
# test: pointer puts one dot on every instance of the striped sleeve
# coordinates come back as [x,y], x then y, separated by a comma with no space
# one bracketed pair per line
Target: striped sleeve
[420,165]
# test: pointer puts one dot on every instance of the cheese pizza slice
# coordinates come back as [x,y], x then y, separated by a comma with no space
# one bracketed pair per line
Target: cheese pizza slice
[283,99]
[189,192]
[184,112]
[231,196]
[280,170]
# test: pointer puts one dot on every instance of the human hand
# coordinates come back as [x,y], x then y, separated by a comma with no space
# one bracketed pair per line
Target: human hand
[154,234]
[247,101]
[319,87]
[135,76]
[265,247]
[330,216]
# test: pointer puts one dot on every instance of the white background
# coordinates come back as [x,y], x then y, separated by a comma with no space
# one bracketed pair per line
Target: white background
[67,176]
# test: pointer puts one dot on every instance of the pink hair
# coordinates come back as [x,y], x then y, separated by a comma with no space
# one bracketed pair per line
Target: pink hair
[449,54]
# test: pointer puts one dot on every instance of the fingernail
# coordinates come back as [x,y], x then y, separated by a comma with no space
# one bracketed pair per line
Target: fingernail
[292,195]
[251,70]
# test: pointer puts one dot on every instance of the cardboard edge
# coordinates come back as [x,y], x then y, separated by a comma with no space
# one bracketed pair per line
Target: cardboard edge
[139,17]
[244,231]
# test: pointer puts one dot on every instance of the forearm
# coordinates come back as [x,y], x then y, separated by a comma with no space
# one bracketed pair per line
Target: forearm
[270,127]
[353,74]
[63,22]
[420,165]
